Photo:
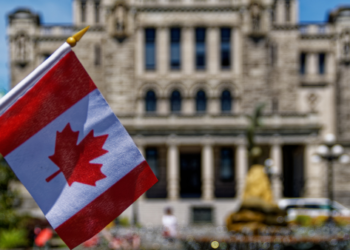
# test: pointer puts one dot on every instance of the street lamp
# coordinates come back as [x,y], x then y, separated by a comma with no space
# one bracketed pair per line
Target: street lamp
[330,151]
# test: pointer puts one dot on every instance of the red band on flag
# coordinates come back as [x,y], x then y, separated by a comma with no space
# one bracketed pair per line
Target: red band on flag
[61,87]
[108,206]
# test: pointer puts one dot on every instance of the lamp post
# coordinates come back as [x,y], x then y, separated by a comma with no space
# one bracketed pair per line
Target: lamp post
[330,152]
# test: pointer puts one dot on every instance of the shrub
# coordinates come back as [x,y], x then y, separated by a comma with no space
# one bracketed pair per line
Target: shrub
[123,221]
[9,199]
[13,238]
[303,220]
[319,221]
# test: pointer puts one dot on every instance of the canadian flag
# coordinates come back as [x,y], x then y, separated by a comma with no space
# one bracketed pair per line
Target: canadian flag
[69,150]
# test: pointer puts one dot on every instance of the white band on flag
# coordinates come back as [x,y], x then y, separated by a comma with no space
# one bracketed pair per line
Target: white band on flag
[21,88]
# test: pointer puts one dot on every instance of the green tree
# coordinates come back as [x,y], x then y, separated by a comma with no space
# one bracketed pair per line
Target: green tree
[8,198]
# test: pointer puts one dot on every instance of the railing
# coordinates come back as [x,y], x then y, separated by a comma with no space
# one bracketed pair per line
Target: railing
[292,120]
[162,3]
[314,29]
[56,30]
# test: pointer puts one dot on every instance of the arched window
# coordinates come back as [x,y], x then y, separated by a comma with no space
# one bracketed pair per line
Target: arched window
[226,101]
[175,101]
[151,101]
[201,101]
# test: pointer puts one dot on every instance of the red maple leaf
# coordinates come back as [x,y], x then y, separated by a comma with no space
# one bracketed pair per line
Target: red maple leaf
[74,160]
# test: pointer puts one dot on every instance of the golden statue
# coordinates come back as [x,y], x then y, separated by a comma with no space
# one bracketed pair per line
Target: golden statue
[258,209]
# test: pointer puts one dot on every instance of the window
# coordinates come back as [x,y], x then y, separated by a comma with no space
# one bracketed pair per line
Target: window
[226,101]
[200,48]
[175,101]
[287,10]
[175,48]
[152,160]
[202,215]
[97,55]
[97,11]
[226,165]
[201,101]
[225,48]
[302,69]
[83,11]
[321,63]
[150,48]
[151,101]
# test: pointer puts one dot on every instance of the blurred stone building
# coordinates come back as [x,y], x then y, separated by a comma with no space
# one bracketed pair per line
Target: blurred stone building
[182,75]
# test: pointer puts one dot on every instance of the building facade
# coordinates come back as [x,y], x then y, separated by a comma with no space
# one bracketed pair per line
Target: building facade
[181,75]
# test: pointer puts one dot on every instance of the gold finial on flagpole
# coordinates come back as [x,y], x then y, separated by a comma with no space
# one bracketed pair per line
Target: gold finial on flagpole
[72,41]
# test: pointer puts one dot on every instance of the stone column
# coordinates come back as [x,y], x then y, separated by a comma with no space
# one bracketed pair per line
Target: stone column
[311,64]
[76,12]
[279,14]
[207,172]
[162,46]
[188,50]
[139,51]
[294,12]
[187,105]
[241,167]
[236,46]
[90,12]
[214,104]
[163,106]
[213,49]
[140,108]
[315,173]
[173,172]
[276,156]
[330,66]
[103,14]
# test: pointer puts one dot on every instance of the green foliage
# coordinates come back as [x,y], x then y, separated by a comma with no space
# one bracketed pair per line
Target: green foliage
[303,220]
[13,238]
[8,218]
[15,230]
[8,197]
[123,221]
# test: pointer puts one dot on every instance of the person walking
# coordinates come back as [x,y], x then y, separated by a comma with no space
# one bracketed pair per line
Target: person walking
[169,225]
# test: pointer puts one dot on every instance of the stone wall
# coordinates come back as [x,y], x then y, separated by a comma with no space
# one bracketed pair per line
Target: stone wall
[343,100]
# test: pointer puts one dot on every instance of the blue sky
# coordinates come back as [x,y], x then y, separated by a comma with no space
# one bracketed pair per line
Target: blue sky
[60,12]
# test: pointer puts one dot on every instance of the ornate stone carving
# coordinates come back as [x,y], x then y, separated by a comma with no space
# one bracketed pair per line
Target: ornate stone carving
[312,99]
[21,49]
[118,20]
[257,26]
[255,17]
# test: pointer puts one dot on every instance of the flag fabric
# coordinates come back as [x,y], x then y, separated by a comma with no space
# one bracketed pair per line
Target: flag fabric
[70,151]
